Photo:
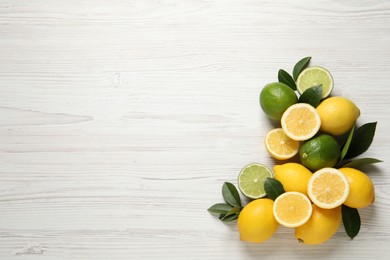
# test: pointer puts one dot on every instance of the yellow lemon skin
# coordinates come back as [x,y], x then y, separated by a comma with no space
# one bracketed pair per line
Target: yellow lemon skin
[256,222]
[321,226]
[362,191]
[338,115]
[293,176]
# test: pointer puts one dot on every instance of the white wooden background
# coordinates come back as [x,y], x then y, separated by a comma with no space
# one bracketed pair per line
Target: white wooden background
[120,121]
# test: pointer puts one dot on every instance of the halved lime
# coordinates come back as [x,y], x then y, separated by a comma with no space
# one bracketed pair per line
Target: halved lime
[251,180]
[314,76]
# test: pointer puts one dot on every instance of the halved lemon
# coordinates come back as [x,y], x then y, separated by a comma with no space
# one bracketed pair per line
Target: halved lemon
[279,145]
[314,76]
[301,122]
[328,188]
[292,209]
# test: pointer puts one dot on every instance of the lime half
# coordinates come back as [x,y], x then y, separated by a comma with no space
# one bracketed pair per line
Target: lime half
[251,180]
[314,76]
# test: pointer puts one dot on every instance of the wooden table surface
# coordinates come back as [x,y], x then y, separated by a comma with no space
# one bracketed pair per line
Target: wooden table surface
[120,121]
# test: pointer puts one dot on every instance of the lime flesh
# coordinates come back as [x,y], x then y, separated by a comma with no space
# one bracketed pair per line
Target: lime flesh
[314,76]
[251,180]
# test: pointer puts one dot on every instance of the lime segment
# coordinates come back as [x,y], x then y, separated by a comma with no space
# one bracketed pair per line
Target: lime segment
[251,180]
[314,76]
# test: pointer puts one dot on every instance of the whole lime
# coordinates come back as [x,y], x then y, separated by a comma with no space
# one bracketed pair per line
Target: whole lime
[319,152]
[275,98]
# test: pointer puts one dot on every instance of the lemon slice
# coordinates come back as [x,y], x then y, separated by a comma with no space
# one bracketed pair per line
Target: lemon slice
[251,180]
[292,209]
[301,122]
[328,188]
[279,145]
[314,76]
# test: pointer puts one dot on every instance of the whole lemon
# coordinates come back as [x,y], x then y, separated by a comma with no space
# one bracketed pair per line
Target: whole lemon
[361,191]
[321,226]
[338,115]
[275,98]
[319,152]
[293,176]
[256,222]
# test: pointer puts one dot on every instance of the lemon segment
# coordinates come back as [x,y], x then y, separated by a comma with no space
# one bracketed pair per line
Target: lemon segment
[292,209]
[280,146]
[301,122]
[328,188]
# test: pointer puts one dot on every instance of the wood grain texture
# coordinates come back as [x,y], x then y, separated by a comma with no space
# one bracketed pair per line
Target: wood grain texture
[120,120]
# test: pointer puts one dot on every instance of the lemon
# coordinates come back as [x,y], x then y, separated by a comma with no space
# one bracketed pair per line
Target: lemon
[275,98]
[314,76]
[256,222]
[300,122]
[292,209]
[251,180]
[321,226]
[338,115]
[328,188]
[293,176]
[362,192]
[319,152]
[279,145]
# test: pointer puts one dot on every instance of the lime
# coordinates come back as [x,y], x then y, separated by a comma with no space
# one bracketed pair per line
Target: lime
[251,180]
[275,98]
[314,76]
[319,152]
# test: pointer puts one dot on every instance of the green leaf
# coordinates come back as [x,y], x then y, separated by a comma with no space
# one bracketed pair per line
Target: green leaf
[312,96]
[230,195]
[286,78]
[347,143]
[360,162]
[301,65]
[233,211]
[361,140]
[351,221]
[230,218]
[273,188]
[220,208]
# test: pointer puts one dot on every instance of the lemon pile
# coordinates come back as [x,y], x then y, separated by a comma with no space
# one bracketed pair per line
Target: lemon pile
[314,189]
[311,191]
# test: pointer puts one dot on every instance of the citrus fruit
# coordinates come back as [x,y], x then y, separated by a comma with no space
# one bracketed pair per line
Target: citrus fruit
[293,176]
[275,98]
[361,192]
[251,180]
[256,222]
[314,76]
[338,115]
[319,152]
[292,209]
[328,188]
[321,226]
[300,122]
[279,145]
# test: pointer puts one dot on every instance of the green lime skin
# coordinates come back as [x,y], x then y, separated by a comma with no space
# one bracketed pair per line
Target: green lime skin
[319,152]
[275,98]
